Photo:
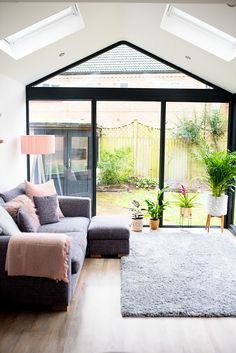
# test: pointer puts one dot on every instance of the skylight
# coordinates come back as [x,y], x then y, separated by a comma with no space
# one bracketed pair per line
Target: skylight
[199,33]
[43,33]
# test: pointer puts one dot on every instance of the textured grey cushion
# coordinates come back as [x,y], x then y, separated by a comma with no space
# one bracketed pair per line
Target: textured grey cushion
[109,227]
[1,201]
[24,221]
[65,225]
[47,208]
[11,194]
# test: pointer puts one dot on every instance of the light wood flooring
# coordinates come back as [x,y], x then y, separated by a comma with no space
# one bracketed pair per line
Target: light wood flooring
[94,324]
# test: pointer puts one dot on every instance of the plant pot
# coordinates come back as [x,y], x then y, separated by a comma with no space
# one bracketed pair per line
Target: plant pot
[154,223]
[217,206]
[186,212]
[137,224]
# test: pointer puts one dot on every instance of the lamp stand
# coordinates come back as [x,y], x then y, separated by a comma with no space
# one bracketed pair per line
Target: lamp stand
[37,170]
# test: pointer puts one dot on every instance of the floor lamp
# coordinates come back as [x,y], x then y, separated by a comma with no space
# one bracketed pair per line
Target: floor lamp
[37,145]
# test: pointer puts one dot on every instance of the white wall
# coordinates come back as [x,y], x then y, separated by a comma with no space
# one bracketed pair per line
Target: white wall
[12,126]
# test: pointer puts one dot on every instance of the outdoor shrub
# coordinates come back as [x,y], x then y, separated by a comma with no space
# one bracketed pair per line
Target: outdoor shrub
[115,166]
[146,183]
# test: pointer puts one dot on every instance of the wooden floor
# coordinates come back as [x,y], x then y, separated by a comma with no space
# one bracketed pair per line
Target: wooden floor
[94,324]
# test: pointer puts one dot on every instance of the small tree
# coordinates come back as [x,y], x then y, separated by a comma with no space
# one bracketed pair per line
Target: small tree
[189,131]
[216,126]
[195,131]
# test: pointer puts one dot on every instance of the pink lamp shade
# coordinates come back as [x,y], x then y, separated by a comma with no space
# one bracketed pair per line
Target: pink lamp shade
[38,144]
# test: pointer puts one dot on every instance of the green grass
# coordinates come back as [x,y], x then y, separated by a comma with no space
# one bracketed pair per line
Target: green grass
[120,202]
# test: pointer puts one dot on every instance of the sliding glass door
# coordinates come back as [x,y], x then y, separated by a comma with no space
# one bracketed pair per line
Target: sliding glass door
[128,135]
[189,126]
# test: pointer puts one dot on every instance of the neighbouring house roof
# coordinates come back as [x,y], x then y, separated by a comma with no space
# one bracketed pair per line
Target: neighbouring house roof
[121,59]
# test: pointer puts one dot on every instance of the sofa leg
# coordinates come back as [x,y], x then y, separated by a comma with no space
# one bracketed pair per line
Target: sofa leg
[60,307]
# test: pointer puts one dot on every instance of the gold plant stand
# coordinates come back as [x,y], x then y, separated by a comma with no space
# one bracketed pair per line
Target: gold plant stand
[186,214]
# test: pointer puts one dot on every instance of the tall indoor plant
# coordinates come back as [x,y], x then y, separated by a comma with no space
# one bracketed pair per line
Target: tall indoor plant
[155,208]
[220,169]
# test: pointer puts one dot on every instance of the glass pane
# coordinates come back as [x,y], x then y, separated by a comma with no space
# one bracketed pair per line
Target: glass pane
[55,164]
[79,153]
[123,67]
[186,125]
[70,122]
[128,160]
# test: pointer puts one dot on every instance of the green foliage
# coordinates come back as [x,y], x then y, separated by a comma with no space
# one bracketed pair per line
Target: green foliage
[115,166]
[146,183]
[216,126]
[184,199]
[156,208]
[220,169]
[194,131]
[189,131]
[137,212]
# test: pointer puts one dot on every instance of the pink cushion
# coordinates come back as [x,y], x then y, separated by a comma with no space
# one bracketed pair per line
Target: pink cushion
[46,189]
[13,206]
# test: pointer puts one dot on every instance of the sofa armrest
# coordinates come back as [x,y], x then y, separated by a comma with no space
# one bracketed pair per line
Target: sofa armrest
[73,206]
[4,240]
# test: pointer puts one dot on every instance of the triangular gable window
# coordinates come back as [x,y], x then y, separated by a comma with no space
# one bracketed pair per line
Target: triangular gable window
[123,67]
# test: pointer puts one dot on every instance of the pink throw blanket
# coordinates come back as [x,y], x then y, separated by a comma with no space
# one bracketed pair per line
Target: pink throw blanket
[38,255]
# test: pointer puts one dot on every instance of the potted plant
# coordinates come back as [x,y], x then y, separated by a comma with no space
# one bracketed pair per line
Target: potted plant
[156,208]
[185,202]
[137,217]
[220,176]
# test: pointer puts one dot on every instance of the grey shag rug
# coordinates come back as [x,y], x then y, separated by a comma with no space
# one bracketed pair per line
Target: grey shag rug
[179,274]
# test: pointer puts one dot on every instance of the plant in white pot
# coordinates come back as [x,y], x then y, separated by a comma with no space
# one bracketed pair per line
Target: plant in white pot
[220,176]
[137,217]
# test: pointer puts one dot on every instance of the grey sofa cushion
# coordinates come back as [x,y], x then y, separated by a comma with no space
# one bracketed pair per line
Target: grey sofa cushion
[47,208]
[76,228]
[11,194]
[109,227]
[66,225]
[24,221]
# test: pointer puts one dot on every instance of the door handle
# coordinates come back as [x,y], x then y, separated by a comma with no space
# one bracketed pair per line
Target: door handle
[69,163]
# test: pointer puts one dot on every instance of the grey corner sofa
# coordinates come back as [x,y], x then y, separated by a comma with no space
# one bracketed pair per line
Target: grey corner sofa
[22,290]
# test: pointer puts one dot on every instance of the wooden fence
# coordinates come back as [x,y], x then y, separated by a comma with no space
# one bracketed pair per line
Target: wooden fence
[144,141]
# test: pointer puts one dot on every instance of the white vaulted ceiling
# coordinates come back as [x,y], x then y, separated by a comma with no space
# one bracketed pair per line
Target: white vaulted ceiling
[109,22]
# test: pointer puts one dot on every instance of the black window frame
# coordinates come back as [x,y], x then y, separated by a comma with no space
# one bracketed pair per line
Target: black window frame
[162,95]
